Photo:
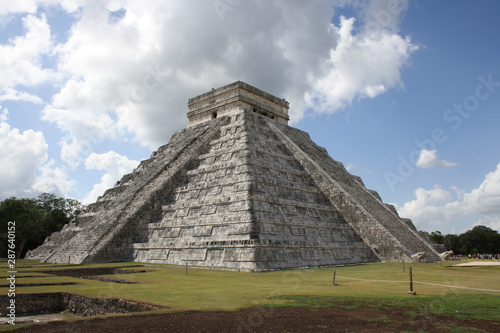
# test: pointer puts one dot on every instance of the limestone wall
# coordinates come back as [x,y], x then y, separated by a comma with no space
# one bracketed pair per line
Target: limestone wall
[237,95]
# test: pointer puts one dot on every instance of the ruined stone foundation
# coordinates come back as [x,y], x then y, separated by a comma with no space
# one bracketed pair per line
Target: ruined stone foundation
[238,189]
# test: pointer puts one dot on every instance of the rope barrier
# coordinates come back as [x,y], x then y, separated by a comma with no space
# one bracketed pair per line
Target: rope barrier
[427,283]
[393,281]
[445,285]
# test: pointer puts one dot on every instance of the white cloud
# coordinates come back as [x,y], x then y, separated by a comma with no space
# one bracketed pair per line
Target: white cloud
[25,6]
[438,208]
[21,154]
[31,6]
[362,65]
[13,95]
[20,58]
[131,75]
[428,159]
[24,171]
[485,199]
[82,133]
[52,179]
[430,208]
[114,165]
[4,116]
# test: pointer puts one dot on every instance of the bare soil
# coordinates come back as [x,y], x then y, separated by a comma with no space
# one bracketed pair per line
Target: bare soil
[343,317]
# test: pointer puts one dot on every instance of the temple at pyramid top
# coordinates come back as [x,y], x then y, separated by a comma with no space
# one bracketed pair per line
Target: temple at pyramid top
[229,99]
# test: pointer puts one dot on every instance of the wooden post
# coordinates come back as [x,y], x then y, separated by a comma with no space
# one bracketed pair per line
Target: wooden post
[411,292]
[403,265]
[334,275]
[411,280]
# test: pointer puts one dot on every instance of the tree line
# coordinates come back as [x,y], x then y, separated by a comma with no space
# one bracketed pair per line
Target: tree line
[35,219]
[479,239]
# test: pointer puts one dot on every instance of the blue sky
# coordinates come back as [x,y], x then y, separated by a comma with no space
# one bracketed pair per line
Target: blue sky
[405,93]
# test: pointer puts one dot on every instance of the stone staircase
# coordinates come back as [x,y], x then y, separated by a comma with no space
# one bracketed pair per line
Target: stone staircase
[87,237]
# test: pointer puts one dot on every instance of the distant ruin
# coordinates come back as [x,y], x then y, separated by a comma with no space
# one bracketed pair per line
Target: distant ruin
[238,189]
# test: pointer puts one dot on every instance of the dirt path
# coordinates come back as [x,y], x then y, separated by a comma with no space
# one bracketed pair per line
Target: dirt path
[343,317]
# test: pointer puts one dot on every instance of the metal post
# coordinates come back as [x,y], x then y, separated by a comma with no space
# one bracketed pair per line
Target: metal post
[186,268]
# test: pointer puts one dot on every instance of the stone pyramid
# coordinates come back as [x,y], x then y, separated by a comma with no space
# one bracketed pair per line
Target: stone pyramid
[238,189]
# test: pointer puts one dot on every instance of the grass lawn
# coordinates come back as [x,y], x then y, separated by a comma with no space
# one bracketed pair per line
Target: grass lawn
[441,289]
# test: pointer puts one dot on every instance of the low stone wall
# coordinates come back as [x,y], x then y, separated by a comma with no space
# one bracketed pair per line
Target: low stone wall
[31,304]
[86,306]
[35,304]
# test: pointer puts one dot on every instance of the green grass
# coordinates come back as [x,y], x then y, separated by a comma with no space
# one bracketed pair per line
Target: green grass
[378,285]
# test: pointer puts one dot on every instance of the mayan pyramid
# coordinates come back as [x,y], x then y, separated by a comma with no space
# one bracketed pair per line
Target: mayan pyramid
[237,189]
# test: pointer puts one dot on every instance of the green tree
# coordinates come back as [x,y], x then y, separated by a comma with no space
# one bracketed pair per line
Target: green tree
[35,219]
[61,210]
[436,237]
[30,222]
[480,239]
[452,243]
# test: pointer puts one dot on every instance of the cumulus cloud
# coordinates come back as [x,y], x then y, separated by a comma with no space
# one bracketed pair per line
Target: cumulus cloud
[485,199]
[24,170]
[52,179]
[4,116]
[26,6]
[114,165]
[31,6]
[14,95]
[430,208]
[131,68]
[361,66]
[438,208]
[428,159]
[20,58]
[21,154]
